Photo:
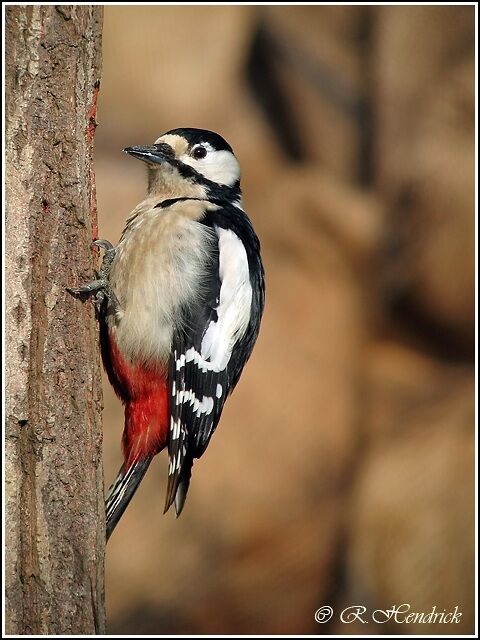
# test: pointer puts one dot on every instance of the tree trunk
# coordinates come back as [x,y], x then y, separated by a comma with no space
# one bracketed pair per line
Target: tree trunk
[55,527]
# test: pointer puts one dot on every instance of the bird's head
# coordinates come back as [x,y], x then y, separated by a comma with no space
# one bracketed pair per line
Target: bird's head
[190,163]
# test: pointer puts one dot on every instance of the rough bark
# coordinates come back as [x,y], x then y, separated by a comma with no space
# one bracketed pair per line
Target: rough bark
[55,532]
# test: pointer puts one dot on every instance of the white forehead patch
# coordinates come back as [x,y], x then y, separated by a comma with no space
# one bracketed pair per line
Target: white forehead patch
[178,144]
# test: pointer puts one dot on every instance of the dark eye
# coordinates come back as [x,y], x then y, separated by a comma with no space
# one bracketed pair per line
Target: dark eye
[199,153]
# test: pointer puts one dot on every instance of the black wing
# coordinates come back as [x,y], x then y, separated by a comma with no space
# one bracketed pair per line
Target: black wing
[211,349]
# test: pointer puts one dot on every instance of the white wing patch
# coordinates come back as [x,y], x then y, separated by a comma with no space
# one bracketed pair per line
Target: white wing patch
[233,310]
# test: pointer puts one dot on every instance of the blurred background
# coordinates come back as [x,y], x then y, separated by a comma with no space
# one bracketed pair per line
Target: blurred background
[342,471]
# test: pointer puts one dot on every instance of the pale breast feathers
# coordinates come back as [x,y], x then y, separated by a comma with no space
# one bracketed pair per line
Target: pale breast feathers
[161,262]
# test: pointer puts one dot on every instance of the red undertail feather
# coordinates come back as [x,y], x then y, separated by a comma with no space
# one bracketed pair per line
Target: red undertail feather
[143,390]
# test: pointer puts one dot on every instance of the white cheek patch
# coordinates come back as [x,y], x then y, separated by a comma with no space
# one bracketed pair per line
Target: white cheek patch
[218,166]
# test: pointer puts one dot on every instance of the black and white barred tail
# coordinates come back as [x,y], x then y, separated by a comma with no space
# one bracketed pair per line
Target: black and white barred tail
[122,491]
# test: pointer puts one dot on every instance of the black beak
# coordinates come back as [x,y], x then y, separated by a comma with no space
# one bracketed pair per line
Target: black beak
[153,154]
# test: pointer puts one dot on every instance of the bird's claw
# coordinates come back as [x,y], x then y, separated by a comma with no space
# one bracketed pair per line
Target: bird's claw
[108,257]
[104,244]
[88,289]
[100,287]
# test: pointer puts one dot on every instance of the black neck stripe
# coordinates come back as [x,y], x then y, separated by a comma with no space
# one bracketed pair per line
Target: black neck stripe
[168,203]
[171,201]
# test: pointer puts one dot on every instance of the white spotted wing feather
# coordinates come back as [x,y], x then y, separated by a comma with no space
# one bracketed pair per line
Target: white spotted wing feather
[200,379]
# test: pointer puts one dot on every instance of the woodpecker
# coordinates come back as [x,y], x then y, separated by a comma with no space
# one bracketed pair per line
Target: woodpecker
[180,299]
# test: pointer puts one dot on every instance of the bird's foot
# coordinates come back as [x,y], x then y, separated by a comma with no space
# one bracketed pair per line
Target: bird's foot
[108,257]
[100,288]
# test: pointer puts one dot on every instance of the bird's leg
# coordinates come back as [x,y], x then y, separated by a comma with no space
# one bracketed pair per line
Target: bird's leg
[100,287]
